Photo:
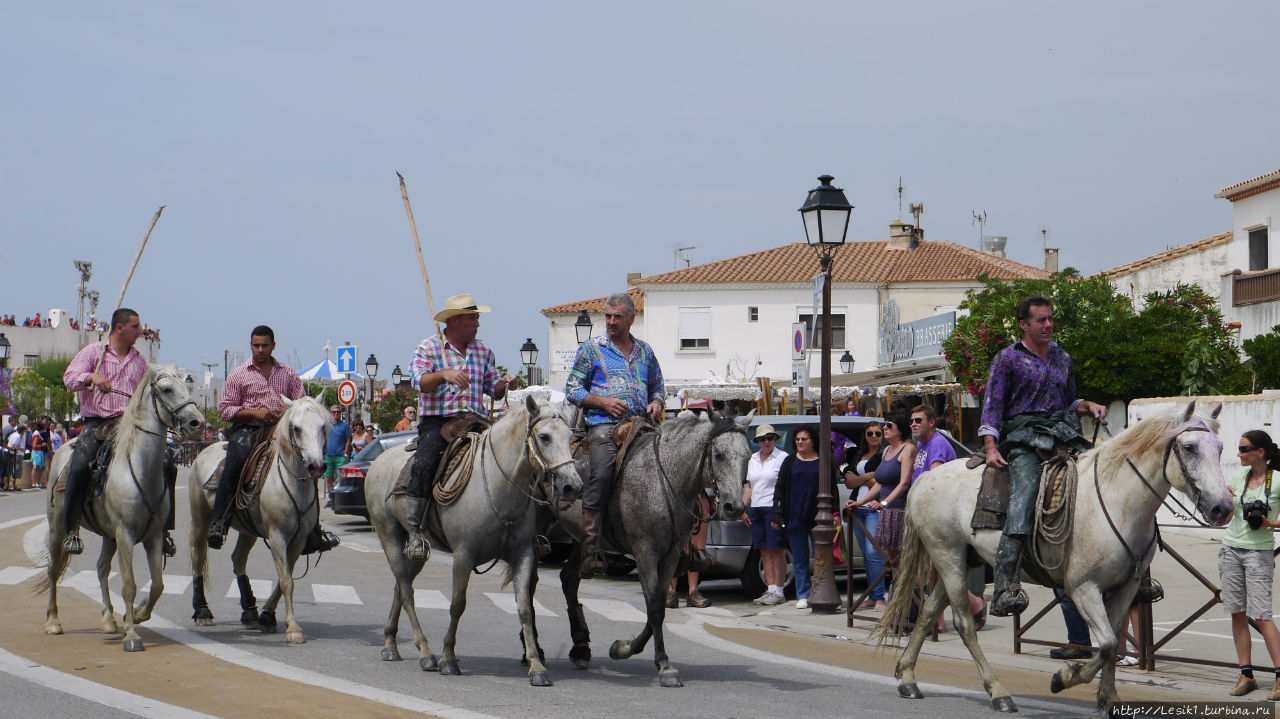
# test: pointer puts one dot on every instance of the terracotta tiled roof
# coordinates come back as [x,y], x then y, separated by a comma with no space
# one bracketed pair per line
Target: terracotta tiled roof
[595,305]
[1170,254]
[1249,188]
[854,262]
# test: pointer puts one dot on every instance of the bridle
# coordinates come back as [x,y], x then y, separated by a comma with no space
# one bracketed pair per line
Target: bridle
[156,404]
[708,480]
[543,471]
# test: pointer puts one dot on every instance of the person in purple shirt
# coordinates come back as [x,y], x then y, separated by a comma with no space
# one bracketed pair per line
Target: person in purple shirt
[1029,407]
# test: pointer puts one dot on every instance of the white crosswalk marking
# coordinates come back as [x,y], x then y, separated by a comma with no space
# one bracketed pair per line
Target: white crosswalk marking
[86,581]
[261,588]
[18,575]
[614,610]
[429,599]
[507,603]
[173,584]
[335,593]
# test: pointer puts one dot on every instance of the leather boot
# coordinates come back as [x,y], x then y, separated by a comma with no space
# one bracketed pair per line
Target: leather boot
[1008,597]
[417,548]
[592,561]
[1244,685]
[1275,691]
[320,540]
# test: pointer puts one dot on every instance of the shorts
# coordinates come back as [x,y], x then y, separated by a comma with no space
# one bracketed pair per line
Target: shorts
[331,464]
[889,531]
[37,458]
[764,536]
[1246,581]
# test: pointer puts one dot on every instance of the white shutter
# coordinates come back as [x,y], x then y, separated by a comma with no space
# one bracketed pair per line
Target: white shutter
[695,324]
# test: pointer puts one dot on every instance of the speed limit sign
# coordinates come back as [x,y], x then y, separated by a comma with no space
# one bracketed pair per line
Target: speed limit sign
[347,392]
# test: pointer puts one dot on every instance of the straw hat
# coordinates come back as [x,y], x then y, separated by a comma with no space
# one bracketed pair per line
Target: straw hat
[459,305]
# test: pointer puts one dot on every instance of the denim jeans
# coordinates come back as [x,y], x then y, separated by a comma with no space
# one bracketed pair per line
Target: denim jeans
[1077,627]
[798,539]
[874,562]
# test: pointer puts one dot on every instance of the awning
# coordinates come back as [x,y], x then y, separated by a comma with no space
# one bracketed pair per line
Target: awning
[922,368]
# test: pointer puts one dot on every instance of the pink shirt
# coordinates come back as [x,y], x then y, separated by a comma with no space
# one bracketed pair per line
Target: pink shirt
[246,388]
[124,374]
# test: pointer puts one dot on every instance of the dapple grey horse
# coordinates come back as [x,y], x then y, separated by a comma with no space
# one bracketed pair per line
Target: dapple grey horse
[284,514]
[651,515]
[491,519]
[133,506]
[1121,484]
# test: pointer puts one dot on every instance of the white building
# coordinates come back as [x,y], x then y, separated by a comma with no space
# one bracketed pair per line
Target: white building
[733,318]
[1202,263]
[29,344]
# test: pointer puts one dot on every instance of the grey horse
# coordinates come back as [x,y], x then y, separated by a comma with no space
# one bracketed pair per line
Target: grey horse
[651,515]
[492,518]
[132,507]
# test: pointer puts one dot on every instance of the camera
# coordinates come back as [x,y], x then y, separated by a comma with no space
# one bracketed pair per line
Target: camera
[1255,512]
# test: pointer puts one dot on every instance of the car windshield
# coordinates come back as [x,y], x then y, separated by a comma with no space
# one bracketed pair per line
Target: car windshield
[382,444]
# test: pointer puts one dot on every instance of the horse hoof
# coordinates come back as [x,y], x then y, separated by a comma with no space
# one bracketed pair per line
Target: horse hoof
[203,617]
[53,629]
[267,622]
[909,691]
[268,628]
[669,678]
[539,679]
[109,629]
[208,622]
[450,669]
[391,655]
[133,645]
[295,638]
[249,617]
[1057,685]
[580,656]
[1004,704]
[429,663]
[619,650]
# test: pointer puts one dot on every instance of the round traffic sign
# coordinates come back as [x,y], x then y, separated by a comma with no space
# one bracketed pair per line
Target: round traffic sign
[347,392]
[797,342]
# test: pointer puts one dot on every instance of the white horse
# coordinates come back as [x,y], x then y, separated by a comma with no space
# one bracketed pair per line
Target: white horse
[133,505]
[491,519]
[1121,485]
[284,514]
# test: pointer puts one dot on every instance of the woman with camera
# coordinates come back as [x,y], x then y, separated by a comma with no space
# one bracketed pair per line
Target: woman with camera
[1245,560]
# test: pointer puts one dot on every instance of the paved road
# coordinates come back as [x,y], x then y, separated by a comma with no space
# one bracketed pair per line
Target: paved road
[733,660]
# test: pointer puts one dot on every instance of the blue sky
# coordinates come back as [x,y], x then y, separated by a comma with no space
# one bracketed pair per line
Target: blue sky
[552,148]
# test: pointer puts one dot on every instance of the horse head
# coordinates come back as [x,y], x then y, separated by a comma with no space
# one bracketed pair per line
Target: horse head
[548,448]
[302,432]
[173,402]
[1195,444]
[727,454]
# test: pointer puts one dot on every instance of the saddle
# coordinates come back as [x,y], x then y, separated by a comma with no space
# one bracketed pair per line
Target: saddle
[461,433]
[254,474]
[624,435]
[992,505]
[106,434]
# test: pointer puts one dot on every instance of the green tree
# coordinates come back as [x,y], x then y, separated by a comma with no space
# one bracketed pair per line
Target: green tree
[386,412]
[330,393]
[33,386]
[1263,352]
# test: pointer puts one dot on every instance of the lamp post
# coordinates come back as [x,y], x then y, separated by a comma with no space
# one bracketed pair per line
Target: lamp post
[396,376]
[826,220]
[582,327]
[370,371]
[529,357]
[5,346]
[846,363]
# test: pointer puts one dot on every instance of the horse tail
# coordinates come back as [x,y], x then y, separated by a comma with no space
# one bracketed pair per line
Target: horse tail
[45,584]
[913,568]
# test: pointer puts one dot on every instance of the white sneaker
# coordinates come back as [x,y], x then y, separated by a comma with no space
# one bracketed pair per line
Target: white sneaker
[802,603]
[772,598]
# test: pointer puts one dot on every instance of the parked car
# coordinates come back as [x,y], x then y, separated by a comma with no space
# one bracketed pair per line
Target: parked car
[348,490]
[729,542]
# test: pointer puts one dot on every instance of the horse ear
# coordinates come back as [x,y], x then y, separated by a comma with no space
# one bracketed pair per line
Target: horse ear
[287,402]
[713,415]
[1191,410]
[745,421]
[320,397]
[1216,411]
[531,405]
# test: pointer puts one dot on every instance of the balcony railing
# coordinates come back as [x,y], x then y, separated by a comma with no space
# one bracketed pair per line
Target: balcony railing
[1256,287]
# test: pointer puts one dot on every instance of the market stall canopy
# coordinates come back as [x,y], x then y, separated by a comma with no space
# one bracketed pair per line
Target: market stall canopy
[326,369]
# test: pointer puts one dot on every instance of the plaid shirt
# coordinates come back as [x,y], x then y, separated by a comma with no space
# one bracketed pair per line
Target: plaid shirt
[246,388]
[478,361]
[600,368]
[124,374]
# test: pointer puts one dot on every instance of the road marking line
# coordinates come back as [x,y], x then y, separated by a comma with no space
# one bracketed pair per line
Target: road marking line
[260,588]
[33,544]
[173,584]
[335,593]
[20,520]
[92,691]
[614,610]
[429,599]
[18,575]
[359,546]
[507,603]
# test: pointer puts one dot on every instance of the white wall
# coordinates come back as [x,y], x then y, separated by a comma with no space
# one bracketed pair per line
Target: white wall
[1252,213]
[59,341]
[1201,268]
[561,335]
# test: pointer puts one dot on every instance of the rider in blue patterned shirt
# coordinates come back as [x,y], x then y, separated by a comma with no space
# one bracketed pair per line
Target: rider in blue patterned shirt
[614,376]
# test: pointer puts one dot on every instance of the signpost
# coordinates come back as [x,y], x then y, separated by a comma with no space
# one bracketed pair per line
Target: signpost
[347,359]
[799,360]
[347,392]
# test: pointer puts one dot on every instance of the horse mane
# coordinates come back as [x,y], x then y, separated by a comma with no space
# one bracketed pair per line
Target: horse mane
[128,433]
[1153,431]
[682,423]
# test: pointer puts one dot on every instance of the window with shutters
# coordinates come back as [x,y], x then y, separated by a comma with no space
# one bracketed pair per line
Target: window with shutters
[753,314]
[695,328]
[837,329]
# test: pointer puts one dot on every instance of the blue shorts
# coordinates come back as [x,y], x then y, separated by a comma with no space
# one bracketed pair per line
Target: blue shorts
[764,536]
[37,458]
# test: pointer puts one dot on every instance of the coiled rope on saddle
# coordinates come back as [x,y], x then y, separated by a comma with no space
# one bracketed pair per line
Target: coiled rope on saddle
[1055,510]
[457,473]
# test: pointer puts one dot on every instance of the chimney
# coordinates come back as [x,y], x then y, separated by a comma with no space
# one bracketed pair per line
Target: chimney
[902,236]
[632,277]
[1051,259]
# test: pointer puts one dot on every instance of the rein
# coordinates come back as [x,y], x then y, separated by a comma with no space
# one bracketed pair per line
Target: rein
[542,468]
[670,494]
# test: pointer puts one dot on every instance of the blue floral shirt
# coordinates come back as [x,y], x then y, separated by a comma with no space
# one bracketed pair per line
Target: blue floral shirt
[601,369]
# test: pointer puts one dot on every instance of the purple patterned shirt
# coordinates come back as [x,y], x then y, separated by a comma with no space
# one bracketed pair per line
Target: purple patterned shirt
[1022,383]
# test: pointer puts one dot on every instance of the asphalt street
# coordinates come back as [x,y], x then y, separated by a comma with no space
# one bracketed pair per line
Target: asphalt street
[736,659]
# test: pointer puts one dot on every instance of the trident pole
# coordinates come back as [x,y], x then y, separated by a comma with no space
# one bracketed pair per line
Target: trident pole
[422,265]
[128,278]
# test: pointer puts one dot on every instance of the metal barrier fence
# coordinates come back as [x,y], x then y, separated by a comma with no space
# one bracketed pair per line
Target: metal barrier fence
[186,452]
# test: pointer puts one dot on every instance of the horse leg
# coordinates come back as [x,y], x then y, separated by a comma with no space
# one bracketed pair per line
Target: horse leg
[239,562]
[404,571]
[57,563]
[285,557]
[155,560]
[108,624]
[952,574]
[462,566]
[655,600]
[1103,619]
[579,633]
[523,575]
[128,590]
[905,671]
[533,587]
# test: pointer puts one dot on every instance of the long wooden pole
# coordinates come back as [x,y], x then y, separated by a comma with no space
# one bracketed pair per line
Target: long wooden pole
[125,287]
[422,265]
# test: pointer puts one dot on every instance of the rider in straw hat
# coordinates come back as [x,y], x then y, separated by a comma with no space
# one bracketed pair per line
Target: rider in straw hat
[453,372]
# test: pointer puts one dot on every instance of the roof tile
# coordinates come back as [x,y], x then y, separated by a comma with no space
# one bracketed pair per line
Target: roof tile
[595,305]
[1169,254]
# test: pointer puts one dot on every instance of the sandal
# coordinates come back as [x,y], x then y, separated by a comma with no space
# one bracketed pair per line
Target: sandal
[1127,661]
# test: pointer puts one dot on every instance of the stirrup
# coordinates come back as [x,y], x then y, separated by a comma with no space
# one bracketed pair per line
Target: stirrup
[417,549]
[71,544]
[592,564]
[700,560]
[169,548]
[320,541]
[1010,601]
[217,533]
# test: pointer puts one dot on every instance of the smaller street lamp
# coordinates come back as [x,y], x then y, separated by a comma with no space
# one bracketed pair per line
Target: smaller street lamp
[4,350]
[191,384]
[582,328]
[370,371]
[529,356]
[846,362]
[396,376]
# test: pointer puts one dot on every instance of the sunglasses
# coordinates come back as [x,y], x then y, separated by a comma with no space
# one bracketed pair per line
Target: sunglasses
[1245,448]
[917,420]
[873,434]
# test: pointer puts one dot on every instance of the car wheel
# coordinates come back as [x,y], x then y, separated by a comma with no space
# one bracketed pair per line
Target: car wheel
[752,577]
[617,565]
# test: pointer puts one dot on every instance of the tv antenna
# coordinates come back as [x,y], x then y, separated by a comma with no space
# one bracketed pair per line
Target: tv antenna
[899,197]
[980,219]
[678,254]
[1044,237]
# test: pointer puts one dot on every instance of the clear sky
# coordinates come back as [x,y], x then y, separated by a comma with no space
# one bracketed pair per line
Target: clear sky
[551,148]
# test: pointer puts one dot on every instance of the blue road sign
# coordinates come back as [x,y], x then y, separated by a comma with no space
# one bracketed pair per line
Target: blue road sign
[347,359]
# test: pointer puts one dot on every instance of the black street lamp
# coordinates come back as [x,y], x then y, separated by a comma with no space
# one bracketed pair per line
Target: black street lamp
[396,376]
[826,220]
[529,357]
[846,363]
[191,384]
[582,328]
[4,350]
[370,371]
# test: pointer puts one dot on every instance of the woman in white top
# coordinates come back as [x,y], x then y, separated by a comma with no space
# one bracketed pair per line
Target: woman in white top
[762,477]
